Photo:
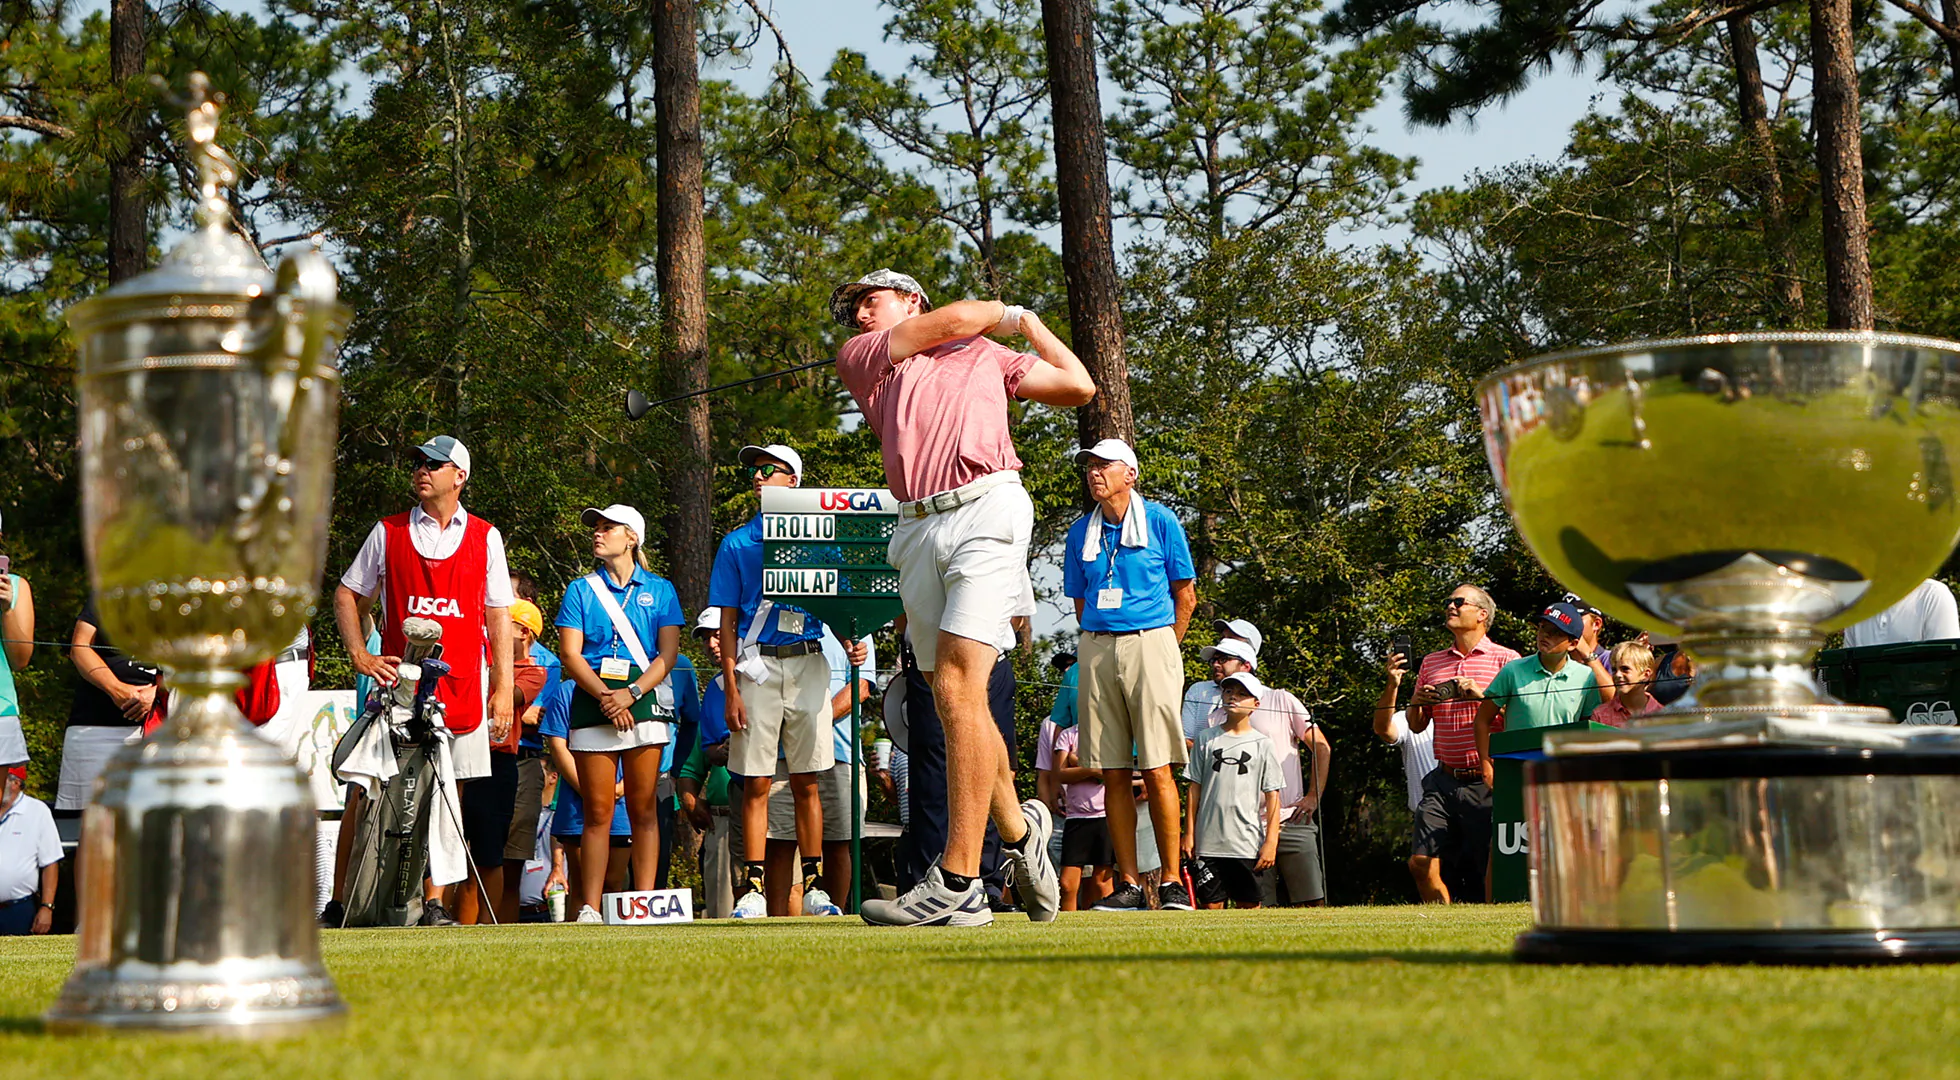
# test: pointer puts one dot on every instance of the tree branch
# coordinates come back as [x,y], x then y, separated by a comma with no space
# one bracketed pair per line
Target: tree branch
[37,125]
[1948,34]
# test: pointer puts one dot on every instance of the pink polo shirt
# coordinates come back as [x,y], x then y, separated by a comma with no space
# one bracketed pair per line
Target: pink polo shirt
[1617,714]
[940,416]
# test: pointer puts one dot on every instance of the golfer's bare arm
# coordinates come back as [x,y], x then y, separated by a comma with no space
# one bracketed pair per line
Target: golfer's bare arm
[1060,379]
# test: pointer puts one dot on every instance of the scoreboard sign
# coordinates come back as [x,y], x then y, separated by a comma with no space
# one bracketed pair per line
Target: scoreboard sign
[823,550]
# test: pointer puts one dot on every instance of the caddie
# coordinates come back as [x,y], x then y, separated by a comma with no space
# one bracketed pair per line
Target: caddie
[777,684]
[438,561]
[1127,565]
[935,390]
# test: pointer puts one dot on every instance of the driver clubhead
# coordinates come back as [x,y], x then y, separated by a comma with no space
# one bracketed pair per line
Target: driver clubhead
[636,405]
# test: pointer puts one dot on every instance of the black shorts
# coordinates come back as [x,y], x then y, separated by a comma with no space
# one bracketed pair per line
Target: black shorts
[1085,842]
[489,803]
[573,841]
[1453,819]
[1231,879]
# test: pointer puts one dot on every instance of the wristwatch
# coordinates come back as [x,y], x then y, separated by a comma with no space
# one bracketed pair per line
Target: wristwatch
[634,689]
[47,904]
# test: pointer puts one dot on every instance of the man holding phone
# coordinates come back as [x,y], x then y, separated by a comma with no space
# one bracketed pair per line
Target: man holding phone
[1453,817]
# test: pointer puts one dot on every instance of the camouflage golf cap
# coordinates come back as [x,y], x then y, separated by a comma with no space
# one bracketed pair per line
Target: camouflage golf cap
[844,299]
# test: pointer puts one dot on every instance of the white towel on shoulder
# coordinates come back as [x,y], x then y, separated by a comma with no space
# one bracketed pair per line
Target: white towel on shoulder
[1135,531]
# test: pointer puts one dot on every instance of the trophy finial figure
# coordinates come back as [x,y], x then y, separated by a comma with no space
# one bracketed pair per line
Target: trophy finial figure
[216,169]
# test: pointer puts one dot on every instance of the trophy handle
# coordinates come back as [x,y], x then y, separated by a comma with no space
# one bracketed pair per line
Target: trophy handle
[305,295]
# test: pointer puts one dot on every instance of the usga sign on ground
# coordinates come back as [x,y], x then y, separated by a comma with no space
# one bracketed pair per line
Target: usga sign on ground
[654,908]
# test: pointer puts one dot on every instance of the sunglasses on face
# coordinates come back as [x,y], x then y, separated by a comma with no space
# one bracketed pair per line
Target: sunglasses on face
[420,463]
[764,472]
[1456,602]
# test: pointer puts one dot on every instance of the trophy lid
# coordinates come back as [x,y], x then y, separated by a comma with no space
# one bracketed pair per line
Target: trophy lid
[215,263]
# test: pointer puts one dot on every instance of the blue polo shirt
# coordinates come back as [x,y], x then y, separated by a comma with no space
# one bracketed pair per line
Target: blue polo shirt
[687,713]
[1144,574]
[737,582]
[648,601]
[1062,712]
[714,713]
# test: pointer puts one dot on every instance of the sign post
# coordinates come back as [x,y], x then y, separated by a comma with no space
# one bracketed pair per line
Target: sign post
[823,550]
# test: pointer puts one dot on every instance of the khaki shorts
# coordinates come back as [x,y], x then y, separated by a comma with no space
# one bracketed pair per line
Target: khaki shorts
[831,787]
[522,843]
[790,711]
[965,571]
[1131,689]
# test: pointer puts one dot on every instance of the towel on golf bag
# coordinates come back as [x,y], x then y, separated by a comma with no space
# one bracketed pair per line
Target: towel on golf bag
[370,762]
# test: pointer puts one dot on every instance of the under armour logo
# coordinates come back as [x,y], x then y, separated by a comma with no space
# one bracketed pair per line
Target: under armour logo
[1243,761]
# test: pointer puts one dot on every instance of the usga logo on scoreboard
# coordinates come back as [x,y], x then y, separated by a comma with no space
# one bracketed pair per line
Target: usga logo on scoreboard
[799,582]
[799,501]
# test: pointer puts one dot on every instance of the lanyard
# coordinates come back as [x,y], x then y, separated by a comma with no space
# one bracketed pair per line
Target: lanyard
[1109,573]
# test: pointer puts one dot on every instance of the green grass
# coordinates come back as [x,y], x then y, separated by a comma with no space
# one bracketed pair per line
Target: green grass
[1401,991]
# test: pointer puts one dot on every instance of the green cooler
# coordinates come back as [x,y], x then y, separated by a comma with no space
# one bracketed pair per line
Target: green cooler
[1917,681]
[1510,868]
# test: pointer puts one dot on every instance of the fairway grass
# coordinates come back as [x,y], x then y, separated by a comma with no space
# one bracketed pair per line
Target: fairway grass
[1395,992]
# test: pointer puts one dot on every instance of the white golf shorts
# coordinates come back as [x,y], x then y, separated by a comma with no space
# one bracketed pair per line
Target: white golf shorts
[965,571]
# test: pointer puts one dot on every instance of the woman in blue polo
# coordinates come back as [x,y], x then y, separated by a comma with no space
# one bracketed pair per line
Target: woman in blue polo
[618,635]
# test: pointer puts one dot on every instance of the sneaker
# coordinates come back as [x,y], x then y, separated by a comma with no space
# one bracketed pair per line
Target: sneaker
[333,916]
[588,914]
[818,902]
[1035,880]
[752,906]
[932,903]
[434,914]
[1172,896]
[1127,896]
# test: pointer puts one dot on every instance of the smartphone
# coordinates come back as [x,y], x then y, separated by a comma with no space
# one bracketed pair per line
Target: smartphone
[5,564]
[1445,690]
[1400,644]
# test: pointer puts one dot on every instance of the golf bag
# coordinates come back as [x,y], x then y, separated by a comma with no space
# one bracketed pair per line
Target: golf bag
[391,850]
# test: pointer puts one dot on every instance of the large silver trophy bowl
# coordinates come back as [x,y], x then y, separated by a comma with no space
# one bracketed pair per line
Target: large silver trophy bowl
[1749,493]
[208,397]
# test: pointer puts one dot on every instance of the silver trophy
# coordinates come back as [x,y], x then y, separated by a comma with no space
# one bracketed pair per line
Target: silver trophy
[1750,493]
[208,396]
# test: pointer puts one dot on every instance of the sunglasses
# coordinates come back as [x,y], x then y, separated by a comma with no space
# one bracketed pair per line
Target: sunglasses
[419,463]
[1455,602]
[764,472]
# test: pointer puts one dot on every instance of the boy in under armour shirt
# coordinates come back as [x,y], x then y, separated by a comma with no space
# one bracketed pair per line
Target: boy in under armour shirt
[1233,817]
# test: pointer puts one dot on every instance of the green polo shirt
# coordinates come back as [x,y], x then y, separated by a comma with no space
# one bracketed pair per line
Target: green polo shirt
[1533,697]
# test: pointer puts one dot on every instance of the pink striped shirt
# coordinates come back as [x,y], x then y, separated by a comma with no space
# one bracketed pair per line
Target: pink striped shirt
[1454,721]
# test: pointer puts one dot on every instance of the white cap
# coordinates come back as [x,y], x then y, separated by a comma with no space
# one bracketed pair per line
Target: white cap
[1108,450]
[1247,680]
[619,514]
[775,450]
[1230,647]
[709,619]
[1240,628]
[447,448]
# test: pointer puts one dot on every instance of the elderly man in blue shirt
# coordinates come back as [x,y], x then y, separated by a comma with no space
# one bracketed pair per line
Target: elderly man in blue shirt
[776,686]
[1128,567]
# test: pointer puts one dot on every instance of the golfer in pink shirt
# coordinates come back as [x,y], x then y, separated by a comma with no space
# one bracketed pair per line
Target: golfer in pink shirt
[935,390]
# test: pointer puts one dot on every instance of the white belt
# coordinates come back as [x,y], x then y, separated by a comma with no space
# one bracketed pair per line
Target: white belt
[947,501]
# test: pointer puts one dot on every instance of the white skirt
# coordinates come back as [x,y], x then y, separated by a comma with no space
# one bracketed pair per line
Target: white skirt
[13,741]
[85,752]
[609,739]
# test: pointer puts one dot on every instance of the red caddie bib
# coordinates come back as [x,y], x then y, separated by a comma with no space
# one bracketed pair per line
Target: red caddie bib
[450,591]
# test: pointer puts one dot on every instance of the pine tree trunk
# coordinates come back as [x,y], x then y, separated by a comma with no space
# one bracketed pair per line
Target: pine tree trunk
[1088,249]
[681,269]
[129,237]
[1752,112]
[1840,167]
[1950,15]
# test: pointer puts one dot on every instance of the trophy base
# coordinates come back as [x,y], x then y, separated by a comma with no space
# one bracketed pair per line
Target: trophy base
[1800,947]
[1745,846]
[235,1002]
[196,886]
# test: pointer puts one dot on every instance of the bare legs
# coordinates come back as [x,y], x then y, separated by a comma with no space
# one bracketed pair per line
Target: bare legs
[979,777]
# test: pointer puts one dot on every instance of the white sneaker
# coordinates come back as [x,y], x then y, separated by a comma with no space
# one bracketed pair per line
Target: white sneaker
[589,914]
[1035,880]
[817,902]
[752,906]
[932,903]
